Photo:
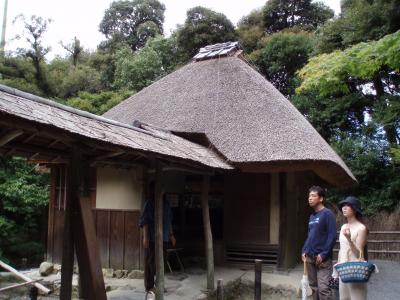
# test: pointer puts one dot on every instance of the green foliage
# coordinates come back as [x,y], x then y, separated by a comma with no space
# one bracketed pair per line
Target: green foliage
[133,22]
[251,30]
[23,201]
[331,116]
[75,49]
[98,103]
[283,55]
[34,30]
[281,14]
[137,70]
[360,20]
[203,27]
[18,72]
[379,179]
[368,70]
[80,78]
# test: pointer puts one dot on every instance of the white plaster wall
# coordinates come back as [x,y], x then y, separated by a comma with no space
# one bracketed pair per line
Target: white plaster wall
[119,188]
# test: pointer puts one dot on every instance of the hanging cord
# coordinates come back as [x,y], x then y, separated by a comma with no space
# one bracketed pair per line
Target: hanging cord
[65,188]
[59,191]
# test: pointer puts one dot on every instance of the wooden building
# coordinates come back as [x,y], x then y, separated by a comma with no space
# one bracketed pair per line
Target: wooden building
[258,210]
[98,166]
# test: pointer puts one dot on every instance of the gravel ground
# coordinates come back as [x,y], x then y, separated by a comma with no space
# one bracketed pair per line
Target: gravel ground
[385,285]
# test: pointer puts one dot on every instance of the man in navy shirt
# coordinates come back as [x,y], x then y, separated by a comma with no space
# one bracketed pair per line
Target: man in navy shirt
[317,249]
[147,223]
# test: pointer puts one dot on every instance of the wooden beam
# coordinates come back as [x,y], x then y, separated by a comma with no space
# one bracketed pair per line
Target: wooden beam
[67,265]
[10,136]
[110,155]
[38,149]
[158,216]
[207,232]
[11,287]
[32,127]
[87,253]
[29,138]
[41,287]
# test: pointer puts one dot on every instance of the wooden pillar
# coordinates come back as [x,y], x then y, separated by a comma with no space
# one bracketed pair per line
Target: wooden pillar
[158,216]
[87,254]
[257,279]
[67,262]
[80,234]
[50,227]
[282,221]
[207,232]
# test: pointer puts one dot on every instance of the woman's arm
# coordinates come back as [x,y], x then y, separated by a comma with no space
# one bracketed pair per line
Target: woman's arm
[360,242]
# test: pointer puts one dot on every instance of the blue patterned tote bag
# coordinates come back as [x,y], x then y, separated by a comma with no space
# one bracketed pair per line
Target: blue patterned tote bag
[355,271]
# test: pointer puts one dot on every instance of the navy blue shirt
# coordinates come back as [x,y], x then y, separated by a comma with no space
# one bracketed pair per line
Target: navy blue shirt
[321,234]
[147,218]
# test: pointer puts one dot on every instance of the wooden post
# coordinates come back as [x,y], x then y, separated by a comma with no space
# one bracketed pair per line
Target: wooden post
[257,279]
[220,289]
[67,262]
[158,216]
[207,232]
[282,251]
[87,254]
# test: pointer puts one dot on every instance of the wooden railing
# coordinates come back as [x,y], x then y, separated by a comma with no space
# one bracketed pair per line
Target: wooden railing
[381,245]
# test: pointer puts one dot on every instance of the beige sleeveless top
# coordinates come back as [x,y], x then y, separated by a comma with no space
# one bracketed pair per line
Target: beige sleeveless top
[345,253]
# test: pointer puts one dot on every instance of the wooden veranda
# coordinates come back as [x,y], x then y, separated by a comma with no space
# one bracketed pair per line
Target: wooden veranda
[52,134]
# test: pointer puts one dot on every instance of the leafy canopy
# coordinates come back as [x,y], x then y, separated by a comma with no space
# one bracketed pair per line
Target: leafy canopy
[360,21]
[133,22]
[23,202]
[281,14]
[330,73]
[283,55]
[137,70]
[203,27]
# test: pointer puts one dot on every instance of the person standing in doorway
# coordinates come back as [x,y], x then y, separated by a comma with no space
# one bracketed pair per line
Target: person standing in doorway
[317,249]
[147,223]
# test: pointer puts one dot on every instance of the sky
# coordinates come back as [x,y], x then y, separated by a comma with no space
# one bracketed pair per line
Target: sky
[81,18]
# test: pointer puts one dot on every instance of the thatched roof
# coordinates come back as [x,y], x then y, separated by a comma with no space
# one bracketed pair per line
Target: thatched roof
[17,107]
[242,114]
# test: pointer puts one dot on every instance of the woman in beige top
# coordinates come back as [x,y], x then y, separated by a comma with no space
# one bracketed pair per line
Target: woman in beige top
[352,238]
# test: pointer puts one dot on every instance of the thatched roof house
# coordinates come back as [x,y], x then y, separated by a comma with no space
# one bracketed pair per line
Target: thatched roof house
[244,117]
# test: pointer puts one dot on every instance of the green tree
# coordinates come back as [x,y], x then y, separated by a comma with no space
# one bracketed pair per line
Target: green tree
[23,201]
[203,27]
[281,14]
[133,22]
[251,30]
[98,103]
[137,70]
[368,71]
[74,49]
[34,29]
[360,20]
[18,72]
[378,176]
[284,54]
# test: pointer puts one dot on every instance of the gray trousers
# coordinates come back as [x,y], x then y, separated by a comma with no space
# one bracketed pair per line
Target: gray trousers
[318,276]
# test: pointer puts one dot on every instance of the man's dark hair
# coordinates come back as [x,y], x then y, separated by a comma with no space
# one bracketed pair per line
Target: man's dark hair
[319,190]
